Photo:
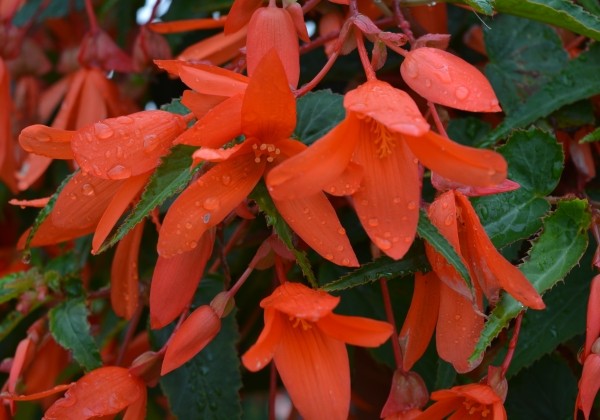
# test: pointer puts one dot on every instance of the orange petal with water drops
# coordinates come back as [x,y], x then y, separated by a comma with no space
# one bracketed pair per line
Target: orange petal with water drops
[240,13]
[356,330]
[446,79]
[47,141]
[421,319]
[458,329]
[260,353]
[196,332]
[315,371]
[391,107]
[207,202]
[200,103]
[488,263]
[388,202]
[317,167]
[185,25]
[300,301]
[220,125]
[466,165]
[118,148]
[104,391]
[348,182]
[204,154]
[315,221]
[124,277]
[210,80]
[122,198]
[217,49]
[589,384]
[49,234]
[176,279]
[592,328]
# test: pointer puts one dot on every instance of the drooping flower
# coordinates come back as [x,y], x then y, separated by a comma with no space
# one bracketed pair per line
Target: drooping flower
[472,401]
[373,156]
[307,340]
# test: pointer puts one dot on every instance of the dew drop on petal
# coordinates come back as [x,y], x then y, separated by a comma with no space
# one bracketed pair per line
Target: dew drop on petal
[373,221]
[150,142]
[226,180]
[206,218]
[88,190]
[411,68]
[107,154]
[125,120]
[42,137]
[329,256]
[340,247]
[211,203]
[444,205]
[382,243]
[408,239]
[461,93]
[428,82]
[193,244]
[188,225]
[449,220]
[411,205]
[345,261]
[118,172]
[305,210]
[103,131]
[341,231]
[397,200]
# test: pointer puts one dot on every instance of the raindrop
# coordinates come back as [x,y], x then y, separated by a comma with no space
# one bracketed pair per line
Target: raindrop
[120,153]
[373,221]
[345,261]
[26,257]
[382,243]
[408,239]
[305,210]
[193,244]
[494,103]
[72,196]
[107,154]
[461,93]
[150,142]
[340,247]
[411,67]
[411,205]
[329,257]
[125,120]
[211,203]
[444,205]
[449,220]
[206,218]
[332,190]
[87,189]
[397,200]
[443,74]
[118,172]
[341,231]
[188,225]
[197,203]
[42,137]
[103,131]
[226,179]
[428,82]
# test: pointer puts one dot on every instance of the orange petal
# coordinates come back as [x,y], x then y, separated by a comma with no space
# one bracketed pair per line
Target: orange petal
[211,80]
[489,265]
[269,108]
[186,25]
[467,165]
[122,198]
[207,202]
[200,103]
[137,410]
[117,148]
[391,107]
[66,117]
[32,168]
[196,332]
[23,355]
[592,327]
[124,278]
[261,353]
[220,125]
[37,395]
[48,234]
[315,221]
[176,279]
[348,181]
[240,14]
[446,79]
[47,141]
[314,369]
[217,49]
[204,154]
[52,96]
[36,202]
[297,15]
[589,384]
[104,391]
[300,301]
[356,330]
[90,94]
[421,318]
[388,202]
[318,166]
[273,28]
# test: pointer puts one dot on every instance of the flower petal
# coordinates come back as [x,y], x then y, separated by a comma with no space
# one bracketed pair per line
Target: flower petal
[315,221]
[205,203]
[441,408]
[32,168]
[217,49]
[592,326]
[348,182]
[483,394]
[467,165]
[193,335]
[589,384]
[47,141]
[261,353]
[388,202]
[176,279]
[185,25]
[300,301]
[200,103]
[240,14]
[355,330]
[207,79]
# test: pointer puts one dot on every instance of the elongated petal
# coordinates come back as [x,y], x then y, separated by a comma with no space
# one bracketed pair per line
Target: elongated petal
[421,319]
[52,96]
[90,94]
[117,148]
[210,80]
[300,301]
[104,391]
[589,384]
[467,165]
[83,200]
[36,202]
[441,408]
[355,330]
[442,184]
[261,353]
[67,116]
[219,126]
[388,202]
[318,166]
[137,410]
[240,14]
[446,79]
[32,168]
[200,103]
[314,369]
[315,221]
[483,394]
[348,181]
[23,356]
[269,108]
[592,325]
[217,49]
[121,199]
[193,335]
[176,279]
[488,263]
[124,277]
[47,141]
[48,234]
[185,25]
[205,203]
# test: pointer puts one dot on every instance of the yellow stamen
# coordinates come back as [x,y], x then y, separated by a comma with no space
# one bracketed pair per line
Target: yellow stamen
[306,325]
[384,140]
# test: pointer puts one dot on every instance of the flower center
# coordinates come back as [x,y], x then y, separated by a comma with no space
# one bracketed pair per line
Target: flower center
[384,140]
[265,150]
[306,325]
[474,407]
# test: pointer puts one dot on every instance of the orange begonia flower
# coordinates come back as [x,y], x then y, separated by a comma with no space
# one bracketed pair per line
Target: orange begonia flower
[306,340]
[372,155]
[472,401]
[268,118]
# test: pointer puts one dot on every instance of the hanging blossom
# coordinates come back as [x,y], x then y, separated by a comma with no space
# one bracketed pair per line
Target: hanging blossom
[307,340]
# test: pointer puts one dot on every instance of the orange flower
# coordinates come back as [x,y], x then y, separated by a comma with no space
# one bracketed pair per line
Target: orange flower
[372,155]
[268,118]
[472,401]
[306,341]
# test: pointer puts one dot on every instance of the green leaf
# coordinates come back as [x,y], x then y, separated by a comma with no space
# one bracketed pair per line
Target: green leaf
[481,6]
[15,284]
[469,131]
[274,219]
[207,386]
[591,137]
[523,55]
[578,80]
[535,161]
[317,113]
[53,9]
[70,328]
[592,6]
[432,235]
[553,254]
[170,178]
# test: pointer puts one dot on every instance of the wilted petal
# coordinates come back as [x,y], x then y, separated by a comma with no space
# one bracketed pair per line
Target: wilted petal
[300,301]
[47,141]
[355,330]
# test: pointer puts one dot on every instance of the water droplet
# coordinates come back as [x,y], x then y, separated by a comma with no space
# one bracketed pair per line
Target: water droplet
[42,137]
[411,205]
[491,172]
[118,172]
[411,68]
[461,93]
[107,154]
[103,131]
[150,142]
[193,244]
[457,317]
[197,203]
[444,205]
[329,257]
[408,239]
[494,103]
[226,179]
[211,203]
[428,82]
[72,196]
[188,225]
[120,153]
[88,190]
[443,74]
[206,218]
[345,261]
[373,221]
[340,247]
[26,257]
[332,190]
[341,231]
[125,120]
[305,210]
[382,243]
[397,200]
[449,220]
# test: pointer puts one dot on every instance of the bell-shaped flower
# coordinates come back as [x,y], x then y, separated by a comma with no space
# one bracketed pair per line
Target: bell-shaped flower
[373,155]
[307,342]
[472,401]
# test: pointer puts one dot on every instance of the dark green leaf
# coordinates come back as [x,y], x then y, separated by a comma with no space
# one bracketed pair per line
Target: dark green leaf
[186,10]
[469,131]
[14,284]
[70,328]
[574,115]
[592,6]
[554,253]
[535,161]
[481,6]
[445,375]
[317,113]
[591,137]
[53,9]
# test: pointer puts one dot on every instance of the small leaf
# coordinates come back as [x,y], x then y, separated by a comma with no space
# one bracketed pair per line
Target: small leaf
[70,328]
[591,137]
[481,6]
[317,113]
[15,284]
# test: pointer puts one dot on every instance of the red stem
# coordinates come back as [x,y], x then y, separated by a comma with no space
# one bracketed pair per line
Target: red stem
[402,22]
[272,391]
[89,8]
[133,323]
[389,313]
[436,119]
[364,56]
[512,345]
